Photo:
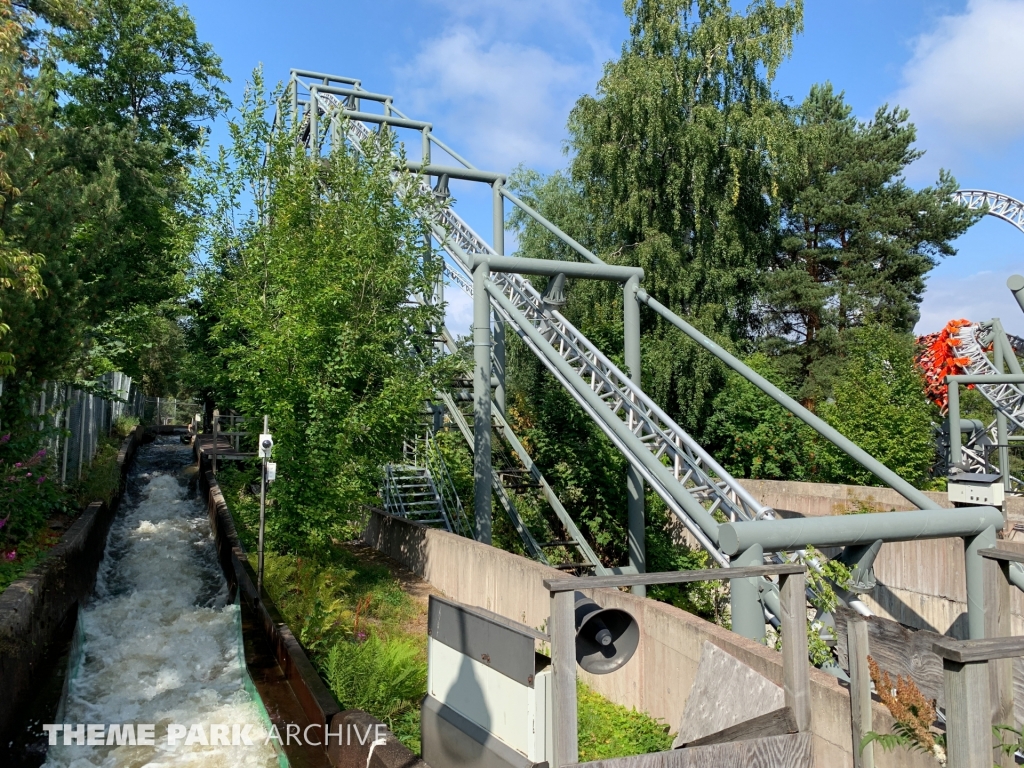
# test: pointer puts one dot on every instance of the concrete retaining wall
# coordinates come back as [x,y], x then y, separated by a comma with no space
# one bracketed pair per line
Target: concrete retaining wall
[659,677]
[38,611]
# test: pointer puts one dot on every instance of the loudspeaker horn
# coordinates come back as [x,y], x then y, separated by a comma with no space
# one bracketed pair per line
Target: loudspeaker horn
[606,638]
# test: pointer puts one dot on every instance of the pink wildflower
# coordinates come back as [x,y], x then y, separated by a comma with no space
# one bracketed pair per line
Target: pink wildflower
[3,522]
[41,480]
[28,474]
[12,554]
[18,464]
[5,438]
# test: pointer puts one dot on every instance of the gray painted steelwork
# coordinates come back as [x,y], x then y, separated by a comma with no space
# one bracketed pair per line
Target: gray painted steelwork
[502,645]
[847,530]
[693,484]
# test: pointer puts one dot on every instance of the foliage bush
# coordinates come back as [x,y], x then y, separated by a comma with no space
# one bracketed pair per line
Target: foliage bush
[101,479]
[305,315]
[28,497]
[608,730]
[386,677]
[123,425]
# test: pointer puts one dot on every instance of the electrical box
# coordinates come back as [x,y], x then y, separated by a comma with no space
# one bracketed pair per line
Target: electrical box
[271,471]
[976,489]
[489,692]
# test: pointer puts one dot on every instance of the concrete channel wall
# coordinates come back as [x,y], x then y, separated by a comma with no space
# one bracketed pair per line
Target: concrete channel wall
[921,583]
[659,677]
[39,610]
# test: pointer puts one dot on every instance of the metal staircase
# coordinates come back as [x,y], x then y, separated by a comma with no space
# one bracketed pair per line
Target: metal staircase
[421,489]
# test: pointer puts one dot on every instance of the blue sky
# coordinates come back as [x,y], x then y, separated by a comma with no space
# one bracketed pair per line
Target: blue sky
[497,78]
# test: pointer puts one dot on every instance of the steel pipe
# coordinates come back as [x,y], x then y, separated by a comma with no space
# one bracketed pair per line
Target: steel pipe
[455,155]
[851,449]
[585,253]
[398,122]
[849,530]
[986,378]
[358,93]
[466,174]
[550,268]
[324,76]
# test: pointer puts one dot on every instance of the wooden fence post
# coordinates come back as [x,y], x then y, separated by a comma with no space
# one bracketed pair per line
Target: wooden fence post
[795,675]
[860,690]
[1000,671]
[562,629]
[968,720]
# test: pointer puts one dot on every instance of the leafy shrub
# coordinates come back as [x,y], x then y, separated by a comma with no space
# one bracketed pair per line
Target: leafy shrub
[608,730]
[311,597]
[913,713]
[101,479]
[123,425]
[28,497]
[386,678]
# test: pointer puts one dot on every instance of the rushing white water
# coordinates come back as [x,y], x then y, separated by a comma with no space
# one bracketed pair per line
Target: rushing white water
[160,643]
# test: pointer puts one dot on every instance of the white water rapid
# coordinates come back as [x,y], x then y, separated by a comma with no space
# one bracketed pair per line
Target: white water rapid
[159,643]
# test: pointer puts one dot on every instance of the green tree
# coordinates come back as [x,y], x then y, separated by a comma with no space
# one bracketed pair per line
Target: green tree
[306,304]
[855,240]
[674,158]
[753,436]
[878,401]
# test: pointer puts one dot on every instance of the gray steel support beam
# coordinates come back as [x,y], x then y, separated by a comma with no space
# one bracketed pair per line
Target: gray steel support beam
[987,378]
[325,76]
[953,409]
[974,569]
[397,122]
[295,102]
[635,512]
[1010,356]
[747,613]
[482,471]
[1001,432]
[851,449]
[499,325]
[441,145]
[314,123]
[1016,285]
[850,530]
[358,93]
[453,172]
[625,440]
[584,252]
[550,268]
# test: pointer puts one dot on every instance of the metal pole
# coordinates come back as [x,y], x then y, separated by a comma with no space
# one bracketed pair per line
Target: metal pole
[263,516]
[1016,285]
[747,614]
[295,102]
[313,111]
[974,567]
[635,512]
[1001,433]
[499,325]
[425,150]
[482,405]
[953,409]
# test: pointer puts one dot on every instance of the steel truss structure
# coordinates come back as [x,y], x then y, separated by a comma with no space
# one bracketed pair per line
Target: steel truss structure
[1007,398]
[323,110]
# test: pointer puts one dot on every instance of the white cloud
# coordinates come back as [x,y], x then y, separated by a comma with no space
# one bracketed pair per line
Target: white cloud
[961,82]
[499,82]
[977,297]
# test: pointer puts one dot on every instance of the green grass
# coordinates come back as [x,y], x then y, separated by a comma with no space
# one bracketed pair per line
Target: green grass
[608,730]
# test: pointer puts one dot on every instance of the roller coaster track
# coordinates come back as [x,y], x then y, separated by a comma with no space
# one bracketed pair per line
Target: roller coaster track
[1006,398]
[1001,206]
